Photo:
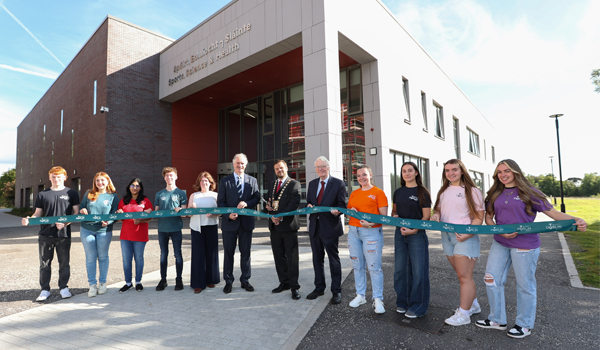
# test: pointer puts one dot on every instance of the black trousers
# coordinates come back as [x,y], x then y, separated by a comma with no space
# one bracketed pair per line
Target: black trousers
[319,246]
[230,239]
[285,252]
[47,245]
[205,257]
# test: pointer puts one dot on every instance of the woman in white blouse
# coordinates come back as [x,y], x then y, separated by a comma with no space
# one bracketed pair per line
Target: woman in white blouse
[205,238]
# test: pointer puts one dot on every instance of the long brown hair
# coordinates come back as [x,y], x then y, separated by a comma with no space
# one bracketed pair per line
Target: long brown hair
[465,180]
[95,192]
[210,179]
[422,192]
[527,192]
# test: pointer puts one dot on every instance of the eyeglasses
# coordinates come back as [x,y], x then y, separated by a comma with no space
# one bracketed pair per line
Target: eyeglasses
[321,167]
[134,186]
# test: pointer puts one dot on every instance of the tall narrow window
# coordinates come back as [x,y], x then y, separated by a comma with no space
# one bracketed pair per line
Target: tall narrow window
[484,150]
[439,120]
[493,155]
[406,100]
[32,163]
[95,94]
[473,142]
[44,138]
[354,92]
[72,141]
[456,137]
[61,121]
[424,109]
[52,154]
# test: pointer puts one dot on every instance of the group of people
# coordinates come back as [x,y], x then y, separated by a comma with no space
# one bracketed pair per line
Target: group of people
[511,199]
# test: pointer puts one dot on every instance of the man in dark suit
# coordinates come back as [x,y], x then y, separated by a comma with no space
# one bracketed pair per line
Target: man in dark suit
[325,229]
[237,190]
[284,196]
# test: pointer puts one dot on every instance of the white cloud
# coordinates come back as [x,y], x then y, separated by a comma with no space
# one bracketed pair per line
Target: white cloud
[525,75]
[44,74]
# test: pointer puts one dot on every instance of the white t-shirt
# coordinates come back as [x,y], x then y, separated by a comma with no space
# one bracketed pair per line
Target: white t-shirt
[203,200]
[454,208]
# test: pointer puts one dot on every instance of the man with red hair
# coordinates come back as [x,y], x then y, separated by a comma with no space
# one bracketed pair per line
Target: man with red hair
[57,200]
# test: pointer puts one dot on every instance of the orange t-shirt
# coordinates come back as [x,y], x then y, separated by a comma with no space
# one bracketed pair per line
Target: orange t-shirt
[367,202]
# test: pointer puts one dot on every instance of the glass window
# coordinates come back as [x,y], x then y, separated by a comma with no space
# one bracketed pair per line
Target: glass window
[478,179]
[424,109]
[473,142]
[493,155]
[401,158]
[72,142]
[43,139]
[250,130]
[61,121]
[354,92]
[95,94]
[439,120]
[406,100]
[233,146]
[456,138]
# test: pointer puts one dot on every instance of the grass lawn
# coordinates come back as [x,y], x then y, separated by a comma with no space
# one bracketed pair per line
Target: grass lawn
[585,246]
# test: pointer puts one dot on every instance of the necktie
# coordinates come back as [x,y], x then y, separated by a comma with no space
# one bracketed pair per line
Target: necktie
[278,187]
[320,196]
[239,186]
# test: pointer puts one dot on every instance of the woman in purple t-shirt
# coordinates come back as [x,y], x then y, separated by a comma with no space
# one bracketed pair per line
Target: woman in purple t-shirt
[512,199]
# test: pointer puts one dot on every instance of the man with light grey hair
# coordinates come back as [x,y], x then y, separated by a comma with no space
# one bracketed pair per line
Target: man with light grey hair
[325,229]
[238,190]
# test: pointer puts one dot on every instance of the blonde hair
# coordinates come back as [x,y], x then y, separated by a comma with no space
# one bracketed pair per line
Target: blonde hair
[95,192]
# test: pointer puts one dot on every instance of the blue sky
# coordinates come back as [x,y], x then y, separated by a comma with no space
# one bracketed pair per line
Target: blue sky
[518,61]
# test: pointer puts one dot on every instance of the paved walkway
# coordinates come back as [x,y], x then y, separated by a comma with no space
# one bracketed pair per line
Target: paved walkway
[8,220]
[154,320]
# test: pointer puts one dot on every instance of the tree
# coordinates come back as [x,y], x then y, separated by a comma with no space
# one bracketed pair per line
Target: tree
[596,79]
[590,185]
[7,188]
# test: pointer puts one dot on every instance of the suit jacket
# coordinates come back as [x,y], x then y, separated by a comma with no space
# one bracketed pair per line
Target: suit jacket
[330,226]
[290,201]
[228,197]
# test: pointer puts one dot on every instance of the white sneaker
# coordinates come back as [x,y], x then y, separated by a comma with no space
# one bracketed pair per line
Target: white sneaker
[458,319]
[102,289]
[43,295]
[358,301]
[93,291]
[65,293]
[378,306]
[475,309]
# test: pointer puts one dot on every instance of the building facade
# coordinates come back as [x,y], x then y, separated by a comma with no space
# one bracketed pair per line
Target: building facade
[283,79]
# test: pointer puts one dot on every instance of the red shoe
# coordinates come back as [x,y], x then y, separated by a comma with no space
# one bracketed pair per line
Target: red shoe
[211,286]
[197,290]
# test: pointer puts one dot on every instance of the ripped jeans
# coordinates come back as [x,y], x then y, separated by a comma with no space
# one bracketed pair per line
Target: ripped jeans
[365,246]
[524,262]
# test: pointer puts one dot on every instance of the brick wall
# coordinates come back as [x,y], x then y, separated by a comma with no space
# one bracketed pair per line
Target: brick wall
[138,133]
[73,93]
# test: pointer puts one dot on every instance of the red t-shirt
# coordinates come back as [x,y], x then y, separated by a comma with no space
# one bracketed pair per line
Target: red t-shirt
[367,202]
[129,230]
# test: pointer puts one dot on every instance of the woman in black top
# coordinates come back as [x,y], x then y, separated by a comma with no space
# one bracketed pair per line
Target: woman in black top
[411,276]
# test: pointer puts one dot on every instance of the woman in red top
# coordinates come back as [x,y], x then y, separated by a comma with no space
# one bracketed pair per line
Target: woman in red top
[365,239]
[134,233]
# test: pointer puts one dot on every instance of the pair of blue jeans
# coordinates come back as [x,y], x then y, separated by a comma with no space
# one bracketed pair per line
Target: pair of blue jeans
[524,263]
[163,242]
[411,272]
[129,250]
[96,246]
[366,246]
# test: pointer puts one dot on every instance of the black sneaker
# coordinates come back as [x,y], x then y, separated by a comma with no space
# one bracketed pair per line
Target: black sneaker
[125,288]
[487,324]
[178,284]
[161,285]
[518,332]
[139,287]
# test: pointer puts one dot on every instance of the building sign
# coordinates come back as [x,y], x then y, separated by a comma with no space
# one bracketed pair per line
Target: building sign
[208,55]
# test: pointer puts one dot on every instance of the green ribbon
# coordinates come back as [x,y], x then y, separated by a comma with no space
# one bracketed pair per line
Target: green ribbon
[532,227]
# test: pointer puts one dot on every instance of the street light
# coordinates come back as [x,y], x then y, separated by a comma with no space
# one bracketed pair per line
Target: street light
[562,198]
[553,180]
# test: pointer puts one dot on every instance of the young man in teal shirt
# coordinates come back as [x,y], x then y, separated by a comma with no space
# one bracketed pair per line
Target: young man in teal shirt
[171,198]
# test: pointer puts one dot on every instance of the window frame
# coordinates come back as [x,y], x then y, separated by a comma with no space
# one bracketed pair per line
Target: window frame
[439,120]
[474,136]
[406,94]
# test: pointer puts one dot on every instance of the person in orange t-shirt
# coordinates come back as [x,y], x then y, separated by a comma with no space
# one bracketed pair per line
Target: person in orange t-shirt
[365,239]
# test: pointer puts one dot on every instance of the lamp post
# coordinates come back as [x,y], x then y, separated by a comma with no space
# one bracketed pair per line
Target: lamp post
[562,198]
[553,180]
